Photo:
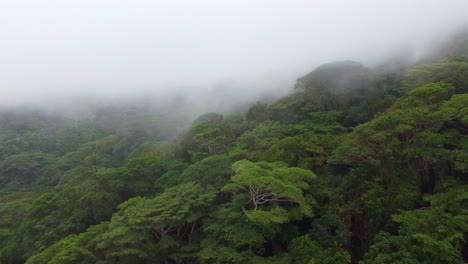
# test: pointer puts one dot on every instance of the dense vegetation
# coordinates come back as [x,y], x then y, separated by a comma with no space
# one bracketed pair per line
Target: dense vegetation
[358,165]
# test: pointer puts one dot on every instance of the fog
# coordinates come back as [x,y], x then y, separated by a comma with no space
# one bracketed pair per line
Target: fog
[213,53]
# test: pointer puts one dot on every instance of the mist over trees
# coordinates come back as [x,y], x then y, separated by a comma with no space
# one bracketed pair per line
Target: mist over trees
[177,132]
[357,164]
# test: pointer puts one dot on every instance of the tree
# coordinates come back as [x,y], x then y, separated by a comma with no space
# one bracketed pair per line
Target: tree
[336,85]
[213,171]
[160,228]
[23,168]
[274,193]
[303,250]
[434,234]
[265,196]
[252,143]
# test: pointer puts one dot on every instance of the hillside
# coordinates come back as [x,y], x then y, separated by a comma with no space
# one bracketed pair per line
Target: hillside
[356,165]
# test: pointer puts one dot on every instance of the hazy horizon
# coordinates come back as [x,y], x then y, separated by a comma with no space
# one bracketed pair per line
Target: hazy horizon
[110,49]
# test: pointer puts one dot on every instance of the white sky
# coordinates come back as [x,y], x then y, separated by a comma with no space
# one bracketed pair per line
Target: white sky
[110,47]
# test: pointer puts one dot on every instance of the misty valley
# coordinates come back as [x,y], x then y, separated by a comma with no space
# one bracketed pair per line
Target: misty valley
[356,165]
[352,163]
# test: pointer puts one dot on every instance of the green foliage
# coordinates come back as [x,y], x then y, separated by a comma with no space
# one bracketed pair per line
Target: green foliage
[159,148]
[428,94]
[251,143]
[324,122]
[140,173]
[13,209]
[160,228]
[213,171]
[454,73]
[428,235]
[34,131]
[305,145]
[336,85]
[291,109]
[72,249]
[211,134]
[24,168]
[409,150]
[296,151]
[257,113]
[209,118]
[232,237]
[126,185]
[101,153]
[203,140]
[65,209]
[276,191]
[169,179]
[306,251]
[67,250]
[413,136]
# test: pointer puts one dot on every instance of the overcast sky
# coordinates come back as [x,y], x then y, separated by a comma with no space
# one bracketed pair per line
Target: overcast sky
[68,47]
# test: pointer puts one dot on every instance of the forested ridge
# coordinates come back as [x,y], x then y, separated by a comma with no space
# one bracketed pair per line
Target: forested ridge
[356,165]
